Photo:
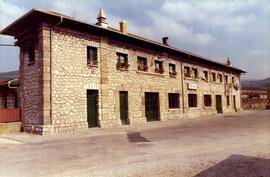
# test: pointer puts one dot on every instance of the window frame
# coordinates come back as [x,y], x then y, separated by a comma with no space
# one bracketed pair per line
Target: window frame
[228,100]
[92,61]
[206,75]
[188,73]
[214,77]
[174,100]
[207,100]
[142,67]
[172,73]
[194,73]
[220,78]
[160,69]
[192,103]
[122,65]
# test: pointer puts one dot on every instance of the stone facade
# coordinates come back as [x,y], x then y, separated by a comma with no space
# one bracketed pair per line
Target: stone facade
[53,89]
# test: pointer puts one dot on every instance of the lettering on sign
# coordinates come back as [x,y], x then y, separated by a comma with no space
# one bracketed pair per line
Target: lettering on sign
[192,86]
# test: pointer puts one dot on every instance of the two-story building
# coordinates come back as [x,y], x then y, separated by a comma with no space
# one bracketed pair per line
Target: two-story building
[75,75]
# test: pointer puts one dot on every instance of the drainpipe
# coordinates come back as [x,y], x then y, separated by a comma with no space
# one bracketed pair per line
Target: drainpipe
[182,83]
[10,82]
[51,32]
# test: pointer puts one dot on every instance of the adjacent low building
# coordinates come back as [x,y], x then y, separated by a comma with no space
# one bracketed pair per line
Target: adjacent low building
[254,98]
[75,75]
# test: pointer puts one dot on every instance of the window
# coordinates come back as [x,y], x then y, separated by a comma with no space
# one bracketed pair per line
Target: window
[122,61]
[172,70]
[220,77]
[142,64]
[194,73]
[192,100]
[187,71]
[207,100]
[158,67]
[174,100]
[31,54]
[205,73]
[228,100]
[232,79]
[214,77]
[91,56]
[226,79]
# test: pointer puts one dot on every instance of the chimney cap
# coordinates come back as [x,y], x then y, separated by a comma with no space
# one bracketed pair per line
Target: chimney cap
[165,40]
[101,14]
[229,62]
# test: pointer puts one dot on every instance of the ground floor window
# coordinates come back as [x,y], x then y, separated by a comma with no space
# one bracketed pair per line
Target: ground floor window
[192,100]
[228,100]
[174,100]
[207,100]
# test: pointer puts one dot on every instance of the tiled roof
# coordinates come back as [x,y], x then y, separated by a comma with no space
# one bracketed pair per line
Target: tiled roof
[9,30]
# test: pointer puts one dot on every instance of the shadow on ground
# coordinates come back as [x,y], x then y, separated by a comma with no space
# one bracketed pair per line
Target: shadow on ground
[136,137]
[238,166]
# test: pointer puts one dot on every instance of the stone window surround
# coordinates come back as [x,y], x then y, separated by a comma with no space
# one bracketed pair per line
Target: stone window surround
[177,106]
[211,103]
[174,72]
[206,71]
[94,64]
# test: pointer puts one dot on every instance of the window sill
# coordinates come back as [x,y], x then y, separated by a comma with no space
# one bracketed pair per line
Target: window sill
[190,78]
[207,107]
[30,63]
[92,66]
[122,69]
[150,73]
[172,76]
[193,108]
[174,109]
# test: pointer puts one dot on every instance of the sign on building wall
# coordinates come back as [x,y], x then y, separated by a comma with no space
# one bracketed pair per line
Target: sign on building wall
[192,86]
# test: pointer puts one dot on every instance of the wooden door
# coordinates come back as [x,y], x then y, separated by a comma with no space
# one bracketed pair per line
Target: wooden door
[218,104]
[152,106]
[92,108]
[124,107]
[234,102]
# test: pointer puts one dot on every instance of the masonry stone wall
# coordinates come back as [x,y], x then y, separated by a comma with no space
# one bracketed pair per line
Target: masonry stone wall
[54,88]
[71,78]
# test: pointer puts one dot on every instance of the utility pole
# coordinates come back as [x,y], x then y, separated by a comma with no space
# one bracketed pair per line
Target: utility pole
[251,90]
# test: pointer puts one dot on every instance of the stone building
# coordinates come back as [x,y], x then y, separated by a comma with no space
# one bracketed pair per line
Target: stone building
[75,75]
[254,98]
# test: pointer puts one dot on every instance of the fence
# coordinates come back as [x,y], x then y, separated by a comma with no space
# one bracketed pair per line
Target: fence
[10,115]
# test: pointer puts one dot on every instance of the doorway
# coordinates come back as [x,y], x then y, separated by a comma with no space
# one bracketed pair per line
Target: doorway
[92,108]
[152,106]
[234,102]
[219,104]
[124,107]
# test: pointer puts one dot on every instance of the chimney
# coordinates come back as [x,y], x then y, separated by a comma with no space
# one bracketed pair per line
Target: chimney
[102,19]
[229,62]
[165,40]
[123,26]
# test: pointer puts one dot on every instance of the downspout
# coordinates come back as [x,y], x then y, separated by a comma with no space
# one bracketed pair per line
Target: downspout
[51,32]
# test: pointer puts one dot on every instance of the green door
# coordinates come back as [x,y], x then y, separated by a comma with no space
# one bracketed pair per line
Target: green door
[152,106]
[124,107]
[218,104]
[92,108]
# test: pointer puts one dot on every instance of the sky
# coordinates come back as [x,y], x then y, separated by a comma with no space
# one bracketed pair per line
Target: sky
[217,29]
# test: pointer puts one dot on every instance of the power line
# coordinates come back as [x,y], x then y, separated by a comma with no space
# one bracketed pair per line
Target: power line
[7,45]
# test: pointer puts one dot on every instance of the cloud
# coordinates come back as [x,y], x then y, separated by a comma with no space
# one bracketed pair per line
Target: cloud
[9,12]
[212,13]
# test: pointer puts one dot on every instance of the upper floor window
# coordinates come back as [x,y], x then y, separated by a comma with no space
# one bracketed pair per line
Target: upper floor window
[142,64]
[122,61]
[214,77]
[159,67]
[187,71]
[205,74]
[194,73]
[174,100]
[172,70]
[207,100]
[220,77]
[232,79]
[92,56]
[31,54]
[226,79]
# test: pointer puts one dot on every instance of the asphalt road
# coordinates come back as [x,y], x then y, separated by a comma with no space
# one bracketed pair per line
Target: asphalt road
[227,145]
